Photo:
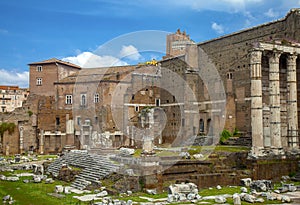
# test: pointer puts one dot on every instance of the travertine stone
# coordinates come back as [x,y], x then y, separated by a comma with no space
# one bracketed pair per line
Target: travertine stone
[256,100]
[292,112]
[274,89]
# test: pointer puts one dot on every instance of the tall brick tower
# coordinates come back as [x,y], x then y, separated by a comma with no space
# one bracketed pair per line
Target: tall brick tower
[176,43]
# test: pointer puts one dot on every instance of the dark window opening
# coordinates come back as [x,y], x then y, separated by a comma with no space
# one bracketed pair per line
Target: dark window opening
[57,121]
[157,102]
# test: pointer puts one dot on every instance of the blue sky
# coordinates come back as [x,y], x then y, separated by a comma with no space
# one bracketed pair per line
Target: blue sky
[75,30]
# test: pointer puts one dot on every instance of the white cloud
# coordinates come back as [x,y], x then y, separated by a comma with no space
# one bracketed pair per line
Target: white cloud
[90,60]
[130,52]
[217,27]
[271,13]
[14,78]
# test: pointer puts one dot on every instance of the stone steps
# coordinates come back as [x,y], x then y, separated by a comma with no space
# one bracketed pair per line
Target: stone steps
[94,167]
[239,141]
[297,176]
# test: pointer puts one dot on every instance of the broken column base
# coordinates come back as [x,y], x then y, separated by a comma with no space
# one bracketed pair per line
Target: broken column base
[262,152]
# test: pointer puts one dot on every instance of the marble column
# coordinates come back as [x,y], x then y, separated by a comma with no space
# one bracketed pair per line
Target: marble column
[292,112]
[42,137]
[21,129]
[274,97]
[256,101]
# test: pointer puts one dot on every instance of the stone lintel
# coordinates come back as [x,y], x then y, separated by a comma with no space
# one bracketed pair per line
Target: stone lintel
[283,48]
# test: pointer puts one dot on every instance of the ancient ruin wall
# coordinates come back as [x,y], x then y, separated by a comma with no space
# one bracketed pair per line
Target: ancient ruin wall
[230,55]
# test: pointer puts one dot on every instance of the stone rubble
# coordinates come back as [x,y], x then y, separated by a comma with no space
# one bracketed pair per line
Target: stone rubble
[8,199]
[246,182]
[261,185]
[184,192]
[236,199]
[126,151]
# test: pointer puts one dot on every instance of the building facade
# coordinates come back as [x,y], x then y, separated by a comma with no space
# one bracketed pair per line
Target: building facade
[12,97]
[245,81]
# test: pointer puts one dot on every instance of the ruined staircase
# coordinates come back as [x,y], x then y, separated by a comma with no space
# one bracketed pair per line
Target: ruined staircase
[297,176]
[239,141]
[94,168]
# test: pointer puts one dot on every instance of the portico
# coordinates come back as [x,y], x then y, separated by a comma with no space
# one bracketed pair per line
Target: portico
[274,108]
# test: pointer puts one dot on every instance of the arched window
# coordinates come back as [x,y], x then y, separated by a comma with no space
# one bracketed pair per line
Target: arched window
[83,100]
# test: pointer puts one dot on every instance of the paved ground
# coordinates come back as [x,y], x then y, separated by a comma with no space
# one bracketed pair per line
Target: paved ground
[295,197]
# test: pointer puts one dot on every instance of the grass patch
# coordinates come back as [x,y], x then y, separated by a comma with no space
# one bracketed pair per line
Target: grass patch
[137,153]
[166,153]
[224,190]
[33,193]
[221,148]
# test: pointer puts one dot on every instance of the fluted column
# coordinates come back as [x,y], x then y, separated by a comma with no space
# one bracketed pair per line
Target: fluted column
[256,101]
[292,112]
[274,94]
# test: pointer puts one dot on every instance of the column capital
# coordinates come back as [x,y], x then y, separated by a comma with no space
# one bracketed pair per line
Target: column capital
[292,57]
[274,56]
[255,55]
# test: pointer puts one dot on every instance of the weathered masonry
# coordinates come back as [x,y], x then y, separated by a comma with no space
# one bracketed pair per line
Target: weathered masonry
[259,68]
[274,111]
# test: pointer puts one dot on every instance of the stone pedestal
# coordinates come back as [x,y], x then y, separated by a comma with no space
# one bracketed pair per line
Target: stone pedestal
[148,146]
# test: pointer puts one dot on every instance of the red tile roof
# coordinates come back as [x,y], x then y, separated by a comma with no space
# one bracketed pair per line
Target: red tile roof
[54,60]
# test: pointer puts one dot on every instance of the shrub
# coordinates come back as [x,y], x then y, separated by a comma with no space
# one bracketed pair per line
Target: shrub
[225,135]
[30,113]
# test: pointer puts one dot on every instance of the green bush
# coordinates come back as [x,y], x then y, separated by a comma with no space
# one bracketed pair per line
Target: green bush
[225,135]
[236,133]
[30,113]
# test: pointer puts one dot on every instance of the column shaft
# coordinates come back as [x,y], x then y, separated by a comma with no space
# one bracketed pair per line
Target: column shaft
[42,142]
[292,112]
[256,101]
[274,94]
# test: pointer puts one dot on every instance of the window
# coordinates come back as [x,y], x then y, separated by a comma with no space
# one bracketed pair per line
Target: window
[57,121]
[136,108]
[39,68]
[157,102]
[78,121]
[201,125]
[39,81]
[229,76]
[69,99]
[96,98]
[83,100]
[182,122]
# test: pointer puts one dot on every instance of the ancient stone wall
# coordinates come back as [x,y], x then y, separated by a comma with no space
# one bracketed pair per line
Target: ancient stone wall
[230,56]
[23,139]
